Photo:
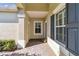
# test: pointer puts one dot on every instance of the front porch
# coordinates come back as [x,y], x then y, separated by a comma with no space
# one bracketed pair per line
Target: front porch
[55,22]
[33,48]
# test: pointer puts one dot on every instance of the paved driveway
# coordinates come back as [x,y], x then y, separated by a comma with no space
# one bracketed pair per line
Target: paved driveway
[33,48]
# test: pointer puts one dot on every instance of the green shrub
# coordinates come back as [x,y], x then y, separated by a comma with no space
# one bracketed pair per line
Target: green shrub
[7,45]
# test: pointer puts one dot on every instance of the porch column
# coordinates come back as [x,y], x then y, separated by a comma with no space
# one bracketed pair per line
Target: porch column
[21,17]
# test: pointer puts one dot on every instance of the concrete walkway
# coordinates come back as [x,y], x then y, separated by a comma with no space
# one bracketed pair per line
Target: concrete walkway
[33,48]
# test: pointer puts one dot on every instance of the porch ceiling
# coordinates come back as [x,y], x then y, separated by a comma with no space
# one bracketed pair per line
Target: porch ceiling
[38,10]
[36,6]
[37,14]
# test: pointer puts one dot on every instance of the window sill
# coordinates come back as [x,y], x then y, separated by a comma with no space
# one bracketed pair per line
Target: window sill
[63,45]
[37,34]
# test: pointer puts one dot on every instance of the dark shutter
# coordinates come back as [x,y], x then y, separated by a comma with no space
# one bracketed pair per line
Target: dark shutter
[77,20]
[52,27]
[72,28]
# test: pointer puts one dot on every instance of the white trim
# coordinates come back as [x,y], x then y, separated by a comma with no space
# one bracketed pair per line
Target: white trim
[59,8]
[63,15]
[56,10]
[61,26]
[55,27]
[41,28]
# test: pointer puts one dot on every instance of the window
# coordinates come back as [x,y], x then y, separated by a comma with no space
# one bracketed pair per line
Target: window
[37,27]
[52,27]
[60,26]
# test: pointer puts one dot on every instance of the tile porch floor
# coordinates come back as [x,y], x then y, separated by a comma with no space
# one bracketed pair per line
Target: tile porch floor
[33,48]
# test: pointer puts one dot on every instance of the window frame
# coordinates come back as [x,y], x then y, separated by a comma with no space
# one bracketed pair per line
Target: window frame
[60,26]
[41,27]
[58,9]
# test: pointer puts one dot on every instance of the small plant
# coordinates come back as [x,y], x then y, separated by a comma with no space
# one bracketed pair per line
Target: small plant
[7,45]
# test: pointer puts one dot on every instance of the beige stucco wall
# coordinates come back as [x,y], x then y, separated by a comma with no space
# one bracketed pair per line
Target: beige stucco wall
[8,26]
[31,29]
[8,31]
